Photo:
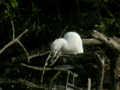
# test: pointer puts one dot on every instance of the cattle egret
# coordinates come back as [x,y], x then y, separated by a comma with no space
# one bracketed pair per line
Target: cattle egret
[71,43]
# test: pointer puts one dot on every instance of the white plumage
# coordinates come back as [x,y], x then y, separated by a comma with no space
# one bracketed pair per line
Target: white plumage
[71,43]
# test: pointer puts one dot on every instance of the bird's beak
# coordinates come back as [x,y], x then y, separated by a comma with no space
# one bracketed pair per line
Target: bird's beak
[57,53]
[55,57]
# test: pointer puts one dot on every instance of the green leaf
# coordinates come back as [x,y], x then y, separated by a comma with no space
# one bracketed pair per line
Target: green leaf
[14,3]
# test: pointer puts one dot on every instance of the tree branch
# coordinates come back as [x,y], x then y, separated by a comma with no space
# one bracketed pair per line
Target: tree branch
[91,41]
[13,29]
[42,68]
[107,40]
[25,50]
[102,60]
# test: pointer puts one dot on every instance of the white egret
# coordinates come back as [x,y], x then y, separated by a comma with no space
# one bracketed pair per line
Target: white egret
[71,43]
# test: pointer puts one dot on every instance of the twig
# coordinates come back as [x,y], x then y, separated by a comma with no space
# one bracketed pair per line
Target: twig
[28,83]
[102,60]
[38,54]
[12,42]
[7,45]
[54,77]
[13,29]
[46,63]
[26,30]
[107,40]
[91,41]
[89,83]
[41,68]
[25,50]
[68,76]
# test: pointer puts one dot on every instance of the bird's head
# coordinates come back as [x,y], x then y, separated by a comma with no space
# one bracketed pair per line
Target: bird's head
[57,46]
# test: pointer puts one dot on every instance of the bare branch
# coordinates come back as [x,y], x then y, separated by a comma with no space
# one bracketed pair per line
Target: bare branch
[7,45]
[38,54]
[91,41]
[107,40]
[41,68]
[46,63]
[25,50]
[13,29]
[89,83]
[102,60]
[54,77]
[28,83]
[26,30]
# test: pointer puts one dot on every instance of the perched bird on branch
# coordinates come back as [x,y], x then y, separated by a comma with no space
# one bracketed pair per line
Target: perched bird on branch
[71,43]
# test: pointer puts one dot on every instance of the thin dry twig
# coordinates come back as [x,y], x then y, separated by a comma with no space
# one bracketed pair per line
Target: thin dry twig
[13,29]
[54,77]
[46,63]
[26,30]
[107,40]
[28,83]
[68,76]
[41,68]
[102,60]
[91,41]
[89,83]
[25,50]
[38,54]
[7,45]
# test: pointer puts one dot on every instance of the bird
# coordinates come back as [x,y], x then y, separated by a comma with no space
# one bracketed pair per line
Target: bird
[71,43]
